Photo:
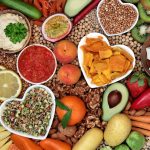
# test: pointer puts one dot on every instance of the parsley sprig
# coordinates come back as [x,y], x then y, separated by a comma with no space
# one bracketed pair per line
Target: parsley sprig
[16,32]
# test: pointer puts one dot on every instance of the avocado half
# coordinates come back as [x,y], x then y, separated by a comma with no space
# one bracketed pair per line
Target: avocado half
[108,112]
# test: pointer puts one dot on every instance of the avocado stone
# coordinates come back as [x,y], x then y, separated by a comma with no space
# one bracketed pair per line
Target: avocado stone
[73,7]
[146,4]
[136,32]
[131,1]
[143,14]
[109,112]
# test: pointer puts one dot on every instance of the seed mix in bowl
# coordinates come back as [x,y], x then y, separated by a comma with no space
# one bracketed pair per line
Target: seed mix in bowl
[116,17]
[32,115]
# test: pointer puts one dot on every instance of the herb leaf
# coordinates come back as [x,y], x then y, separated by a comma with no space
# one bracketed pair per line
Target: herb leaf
[16,32]
[134,78]
[61,105]
[141,82]
[66,119]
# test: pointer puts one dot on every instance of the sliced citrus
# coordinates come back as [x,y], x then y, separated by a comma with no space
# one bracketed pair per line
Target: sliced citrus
[2,68]
[10,84]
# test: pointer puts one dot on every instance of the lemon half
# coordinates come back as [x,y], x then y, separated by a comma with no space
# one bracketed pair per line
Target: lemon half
[10,84]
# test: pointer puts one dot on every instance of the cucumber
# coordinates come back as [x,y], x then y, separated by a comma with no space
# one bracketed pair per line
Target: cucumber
[23,7]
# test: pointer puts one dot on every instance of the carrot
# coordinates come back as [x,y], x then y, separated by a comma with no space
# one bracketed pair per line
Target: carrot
[36,3]
[52,144]
[2,7]
[145,119]
[141,125]
[37,22]
[30,1]
[13,147]
[142,131]
[24,143]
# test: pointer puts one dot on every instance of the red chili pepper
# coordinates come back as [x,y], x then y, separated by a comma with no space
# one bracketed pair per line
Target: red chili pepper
[142,101]
[85,11]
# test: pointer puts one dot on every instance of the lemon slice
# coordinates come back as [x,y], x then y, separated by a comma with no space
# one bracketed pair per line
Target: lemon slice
[2,68]
[10,84]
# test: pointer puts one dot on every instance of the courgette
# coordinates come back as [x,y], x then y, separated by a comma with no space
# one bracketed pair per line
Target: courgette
[23,7]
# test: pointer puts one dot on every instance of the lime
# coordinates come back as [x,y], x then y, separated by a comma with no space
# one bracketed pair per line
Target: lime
[10,84]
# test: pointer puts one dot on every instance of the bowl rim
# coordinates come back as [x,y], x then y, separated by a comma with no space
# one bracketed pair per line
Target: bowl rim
[56,39]
[99,20]
[80,59]
[3,105]
[21,73]
[29,29]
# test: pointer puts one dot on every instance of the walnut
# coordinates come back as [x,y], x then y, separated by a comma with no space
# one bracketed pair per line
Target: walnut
[79,132]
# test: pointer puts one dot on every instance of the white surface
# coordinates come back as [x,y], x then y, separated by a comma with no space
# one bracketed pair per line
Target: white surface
[148,53]
[2,107]
[81,58]
[127,4]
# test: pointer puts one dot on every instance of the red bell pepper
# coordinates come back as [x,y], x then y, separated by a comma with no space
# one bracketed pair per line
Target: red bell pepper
[142,101]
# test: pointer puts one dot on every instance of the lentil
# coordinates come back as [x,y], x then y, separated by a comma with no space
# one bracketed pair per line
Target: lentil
[115,17]
[32,115]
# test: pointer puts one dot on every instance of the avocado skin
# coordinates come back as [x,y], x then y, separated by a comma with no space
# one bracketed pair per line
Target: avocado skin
[109,112]
[143,14]
[146,4]
[131,1]
[136,35]
[73,7]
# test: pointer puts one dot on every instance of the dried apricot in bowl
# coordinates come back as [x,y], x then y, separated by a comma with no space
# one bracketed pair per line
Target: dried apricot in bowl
[101,63]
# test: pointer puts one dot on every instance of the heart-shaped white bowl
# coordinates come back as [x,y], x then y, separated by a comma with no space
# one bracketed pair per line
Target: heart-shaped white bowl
[81,58]
[2,108]
[129,4]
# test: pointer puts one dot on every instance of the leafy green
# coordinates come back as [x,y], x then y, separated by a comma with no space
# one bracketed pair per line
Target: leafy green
[61,105]
[122,147]
[16,32]
[135,141]
[138,77]
[67,116]
[66,119]
[134,78]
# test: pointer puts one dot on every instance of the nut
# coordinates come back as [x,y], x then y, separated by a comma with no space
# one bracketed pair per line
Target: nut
[68,131]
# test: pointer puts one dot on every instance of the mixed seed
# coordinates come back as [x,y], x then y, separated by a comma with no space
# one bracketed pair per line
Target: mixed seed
[32,115]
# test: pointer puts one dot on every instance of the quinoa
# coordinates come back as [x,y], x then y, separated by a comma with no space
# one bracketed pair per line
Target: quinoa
[115,17]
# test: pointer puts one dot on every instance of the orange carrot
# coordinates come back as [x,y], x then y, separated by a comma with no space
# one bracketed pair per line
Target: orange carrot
[45,7]
[24,143]
[13,147]
[145,119]
[37,22]
[141,125]
[142,131]
[2,7]
[52,144]
[30,1]
[36,3]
